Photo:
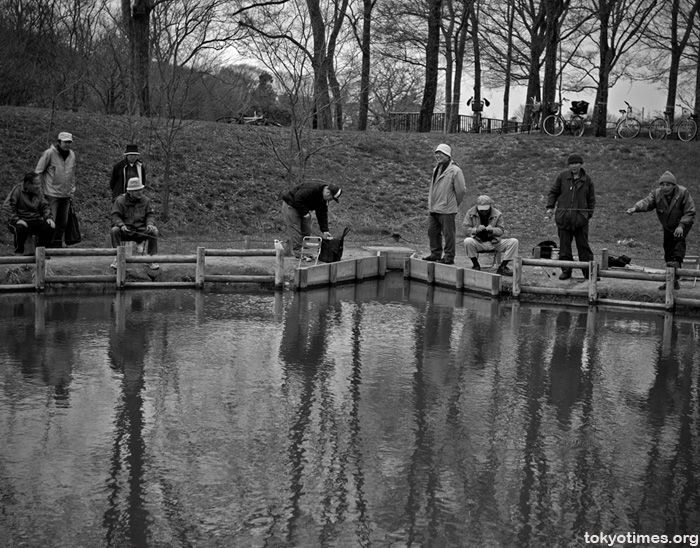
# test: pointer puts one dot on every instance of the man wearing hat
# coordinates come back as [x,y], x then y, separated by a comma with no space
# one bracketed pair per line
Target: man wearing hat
[446,192]
[485,229]
[132,220]
[298,203]
[573,195]
[57,170]
[127,168]
[676,212]
[27,212]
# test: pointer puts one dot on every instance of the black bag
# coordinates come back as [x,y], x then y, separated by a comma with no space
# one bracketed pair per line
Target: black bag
[548,249]
[620,262]
[72,234]
[332,250]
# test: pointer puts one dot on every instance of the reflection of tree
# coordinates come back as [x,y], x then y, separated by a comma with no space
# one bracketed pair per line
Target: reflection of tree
[126,518]
[566,364]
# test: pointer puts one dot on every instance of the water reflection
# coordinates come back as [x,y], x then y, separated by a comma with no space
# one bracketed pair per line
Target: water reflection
[389,414]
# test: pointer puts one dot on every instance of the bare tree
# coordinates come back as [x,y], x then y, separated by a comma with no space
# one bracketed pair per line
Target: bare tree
[364,39]
[432,60]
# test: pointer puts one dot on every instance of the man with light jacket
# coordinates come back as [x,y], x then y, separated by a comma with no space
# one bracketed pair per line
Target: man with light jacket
[573,194]
[447,190]
[676,212]
[57,169]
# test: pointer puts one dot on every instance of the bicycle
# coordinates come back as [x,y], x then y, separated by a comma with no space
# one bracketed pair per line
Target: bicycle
[555,123]
[533,121]
[685,126]
[627,127]
[477,108]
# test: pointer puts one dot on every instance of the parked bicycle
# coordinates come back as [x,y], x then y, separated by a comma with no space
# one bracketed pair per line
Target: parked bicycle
[685,126]
[627,127]
[532,123]
[555,123]
[477,108]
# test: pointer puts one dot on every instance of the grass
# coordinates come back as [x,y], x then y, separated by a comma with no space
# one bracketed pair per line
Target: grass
[226,182]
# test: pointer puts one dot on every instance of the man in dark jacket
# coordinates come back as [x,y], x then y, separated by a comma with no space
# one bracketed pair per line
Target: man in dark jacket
[27,212]
[676,212]
[132,220]
[298,204]
[573,195]
[127,168]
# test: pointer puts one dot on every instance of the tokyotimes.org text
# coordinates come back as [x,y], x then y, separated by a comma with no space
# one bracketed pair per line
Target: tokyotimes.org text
[637,539]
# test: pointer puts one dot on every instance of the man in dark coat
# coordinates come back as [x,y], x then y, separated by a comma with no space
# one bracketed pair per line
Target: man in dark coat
[127,168]
[27,212]
[298,204]
[676,212]
[573,195]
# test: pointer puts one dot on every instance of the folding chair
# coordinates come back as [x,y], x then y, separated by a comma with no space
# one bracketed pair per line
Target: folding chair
[310,247]
[495,254]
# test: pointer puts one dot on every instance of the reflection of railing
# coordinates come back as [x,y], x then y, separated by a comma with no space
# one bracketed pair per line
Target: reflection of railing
[43,278]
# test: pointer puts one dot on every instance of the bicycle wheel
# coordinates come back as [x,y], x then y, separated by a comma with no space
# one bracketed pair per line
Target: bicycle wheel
[577,125]
[687,129]
[553,125]
[628,128]
[658,129]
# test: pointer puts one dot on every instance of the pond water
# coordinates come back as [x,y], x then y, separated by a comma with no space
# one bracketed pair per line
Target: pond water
[387,414]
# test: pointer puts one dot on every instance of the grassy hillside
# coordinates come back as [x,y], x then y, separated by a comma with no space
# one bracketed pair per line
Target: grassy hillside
[226,179]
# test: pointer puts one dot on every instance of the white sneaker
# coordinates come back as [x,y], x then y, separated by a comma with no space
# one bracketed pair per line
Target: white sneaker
[154,266]
[113,265]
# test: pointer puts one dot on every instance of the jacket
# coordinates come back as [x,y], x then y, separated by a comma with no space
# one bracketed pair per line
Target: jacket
[447,190]
[307,197]
[673,210]
[20,205]
[575,201]
[118,180]
[472,220]
[136,215]
[57,174]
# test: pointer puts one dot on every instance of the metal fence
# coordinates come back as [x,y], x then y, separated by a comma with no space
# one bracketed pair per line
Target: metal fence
[408,121]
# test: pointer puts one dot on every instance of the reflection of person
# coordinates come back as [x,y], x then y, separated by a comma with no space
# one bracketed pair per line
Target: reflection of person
[447,190]
[574,195]
[676,212]
[57,169]
[127,168]
[485,229]
[27,212]
[132,220]
[299,202]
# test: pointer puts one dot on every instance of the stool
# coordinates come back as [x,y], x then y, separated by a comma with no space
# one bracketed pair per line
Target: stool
[311,248]
[496,256]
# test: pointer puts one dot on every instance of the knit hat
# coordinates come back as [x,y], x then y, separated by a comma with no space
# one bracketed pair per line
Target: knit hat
[134,184]
[131,149]
[65,136]
[667,177]
[445,149]
[483,203]
[574,158]
[335,191]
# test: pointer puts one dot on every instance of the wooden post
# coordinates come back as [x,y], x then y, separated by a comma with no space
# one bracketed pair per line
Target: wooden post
[605,260]
[279,265]
[178,245]
[670,281]
[407,267]
[121,266]
[431,273]
[537,252]
[517,274]
[333,274]
[381,269]
[459,282]
[592,282]
[40,262]
[246,242]
[199,268]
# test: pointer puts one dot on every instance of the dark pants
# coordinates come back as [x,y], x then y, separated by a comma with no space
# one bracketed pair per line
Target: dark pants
[59,211]
[674,248]
[442,225]
[40,228]
[117,237]
[566,236]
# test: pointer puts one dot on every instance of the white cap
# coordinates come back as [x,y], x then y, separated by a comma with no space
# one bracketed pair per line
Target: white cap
[65,136]
[134,184]
[445,149]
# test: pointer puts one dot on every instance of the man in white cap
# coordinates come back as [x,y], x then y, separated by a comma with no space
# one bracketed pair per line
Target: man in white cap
[57,170]
[130,166]
[485,230]
[676,212]
[132,220]
[447,190]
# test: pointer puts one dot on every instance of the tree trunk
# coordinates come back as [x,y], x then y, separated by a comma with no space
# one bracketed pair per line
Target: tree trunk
[460,47]
[368,5]
[510,17]
[432,58]
[137,24]
[165,192]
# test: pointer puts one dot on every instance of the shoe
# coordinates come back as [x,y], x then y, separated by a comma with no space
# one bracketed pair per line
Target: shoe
[565,275]
[673,264]
[676,285]
[431,258]
[445,261]
[504,271]
[477,266]
[153,266]
[113,265]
